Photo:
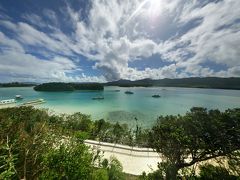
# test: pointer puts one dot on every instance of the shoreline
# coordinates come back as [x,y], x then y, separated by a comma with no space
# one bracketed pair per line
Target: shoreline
[136,160]
[4,106]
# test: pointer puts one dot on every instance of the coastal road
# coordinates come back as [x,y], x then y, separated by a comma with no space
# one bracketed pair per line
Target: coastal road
[133,159]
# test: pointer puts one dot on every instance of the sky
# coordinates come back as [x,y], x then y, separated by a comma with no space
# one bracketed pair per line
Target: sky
[107,40]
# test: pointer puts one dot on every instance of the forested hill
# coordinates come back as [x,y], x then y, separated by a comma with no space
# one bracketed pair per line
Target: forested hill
[58,86]
[195,82]
[16,84]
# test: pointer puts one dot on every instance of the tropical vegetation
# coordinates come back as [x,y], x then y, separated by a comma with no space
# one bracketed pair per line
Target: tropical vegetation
[36,144]
[16,84]
[198,136]
[60,86]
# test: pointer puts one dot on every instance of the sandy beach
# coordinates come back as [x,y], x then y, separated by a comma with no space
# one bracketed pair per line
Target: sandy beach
[134,160]
[2,106]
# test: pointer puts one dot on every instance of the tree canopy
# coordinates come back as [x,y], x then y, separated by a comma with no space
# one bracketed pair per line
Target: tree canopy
[36,145]
[198,136]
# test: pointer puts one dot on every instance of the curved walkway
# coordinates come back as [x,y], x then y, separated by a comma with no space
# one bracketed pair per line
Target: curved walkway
[133,159]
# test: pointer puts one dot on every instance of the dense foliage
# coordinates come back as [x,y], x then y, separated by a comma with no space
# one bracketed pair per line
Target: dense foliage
[58,86]
[210,172]
[54,87]
[105,131]
[72,161]
[87,86]
[206,172]
[198,136]
[36,145]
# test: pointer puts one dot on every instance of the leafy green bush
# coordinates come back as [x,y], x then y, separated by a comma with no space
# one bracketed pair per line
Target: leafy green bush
[100,174]
[114,169]
[72,161]
[156,175]
[36,145]
[210,172]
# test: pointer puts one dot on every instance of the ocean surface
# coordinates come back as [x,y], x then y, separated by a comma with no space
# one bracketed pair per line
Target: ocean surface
[124,108]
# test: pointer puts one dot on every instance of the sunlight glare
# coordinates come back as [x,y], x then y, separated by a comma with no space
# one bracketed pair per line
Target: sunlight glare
[155,7]
[152,9]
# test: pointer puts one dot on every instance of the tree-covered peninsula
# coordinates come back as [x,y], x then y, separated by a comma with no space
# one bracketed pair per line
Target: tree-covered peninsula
[16,84]
[59,86]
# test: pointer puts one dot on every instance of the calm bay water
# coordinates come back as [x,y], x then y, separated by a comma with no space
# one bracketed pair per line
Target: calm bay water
[118,106]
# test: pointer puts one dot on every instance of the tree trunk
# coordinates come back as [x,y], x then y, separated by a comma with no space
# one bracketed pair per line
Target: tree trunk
[171,173]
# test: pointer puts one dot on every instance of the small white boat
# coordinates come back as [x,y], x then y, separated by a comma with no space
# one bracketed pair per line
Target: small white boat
[19,97]
[7,101]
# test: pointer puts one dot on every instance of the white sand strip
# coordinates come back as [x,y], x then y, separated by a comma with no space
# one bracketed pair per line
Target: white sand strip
[2,106]
[133,159]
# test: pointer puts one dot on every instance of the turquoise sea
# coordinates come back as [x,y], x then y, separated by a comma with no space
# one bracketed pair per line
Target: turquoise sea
[118,106]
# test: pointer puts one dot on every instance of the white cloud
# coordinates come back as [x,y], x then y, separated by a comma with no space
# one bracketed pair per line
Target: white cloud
[9,44]
[206,42]
[34,20]
[8,24]
[234,71]
[216,39]
[25,66]
[51,15]
[115,35]
[18,65]
[22,64]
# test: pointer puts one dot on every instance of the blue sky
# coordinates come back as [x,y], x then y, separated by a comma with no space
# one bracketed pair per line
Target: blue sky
[102,40]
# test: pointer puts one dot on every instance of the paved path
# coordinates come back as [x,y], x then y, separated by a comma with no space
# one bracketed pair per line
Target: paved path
[134,160]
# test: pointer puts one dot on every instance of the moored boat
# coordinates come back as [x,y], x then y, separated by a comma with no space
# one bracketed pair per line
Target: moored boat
[156,96]
[129,92]
[18,97]
[98,98]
